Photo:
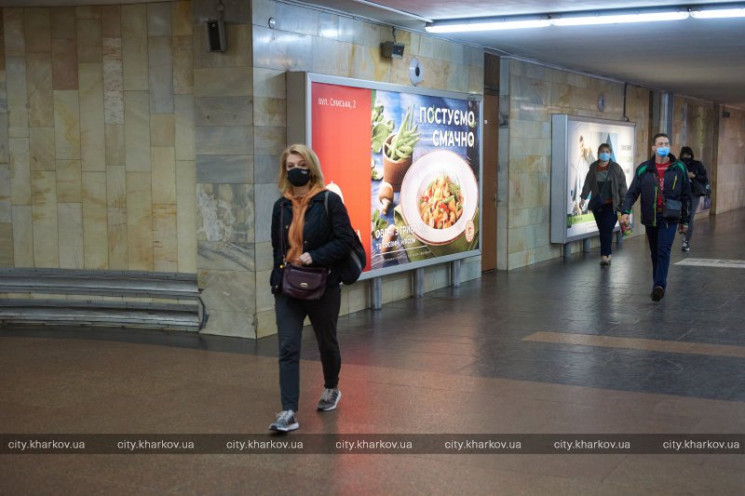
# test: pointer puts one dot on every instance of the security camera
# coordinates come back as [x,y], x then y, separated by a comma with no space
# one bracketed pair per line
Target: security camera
[416,72]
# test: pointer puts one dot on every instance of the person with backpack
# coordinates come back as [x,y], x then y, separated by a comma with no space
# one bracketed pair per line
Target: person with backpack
[310,229]
[699,188]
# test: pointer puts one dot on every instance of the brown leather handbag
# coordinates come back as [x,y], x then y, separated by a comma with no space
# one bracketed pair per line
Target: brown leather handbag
[303,283]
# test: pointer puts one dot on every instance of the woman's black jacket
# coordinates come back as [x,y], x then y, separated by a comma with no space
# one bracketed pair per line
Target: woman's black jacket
[327,236]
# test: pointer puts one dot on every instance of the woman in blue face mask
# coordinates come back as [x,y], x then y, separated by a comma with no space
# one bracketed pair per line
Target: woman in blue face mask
[606,185]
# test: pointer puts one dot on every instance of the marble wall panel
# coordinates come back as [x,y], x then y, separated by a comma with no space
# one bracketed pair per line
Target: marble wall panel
[64,64]
[115,146]
[6,244]
[280,50]
[45,225]
[224,111]
[266,195]
[186,215]
[63,23]
[270,140]
[165,240]
[162,130]
[23,237]
[4,148]
[184,127]
[264,257]
[71,247]
[20,171]
[181,15]
[18,118]
[6,211]
[15,41]
[42,148]
[137,130]
[266,169]
[39,85]
[88,12]
[269,83]
[139,221]
[116,187]
[183,65]
[134,47]
[227,81]
[111,21]
[233,324]
[218,255]
[95,221]
[270,112]
[117,230]
[160,73]
[226,290]
[163,163]
[92,131]
[66,124]
[89,41]
[159,19]
[222,140]
[69,181]
[113,81]
[231,169]
[225,212]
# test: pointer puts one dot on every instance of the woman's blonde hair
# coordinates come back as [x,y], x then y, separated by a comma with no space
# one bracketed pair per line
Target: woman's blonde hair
[311,161]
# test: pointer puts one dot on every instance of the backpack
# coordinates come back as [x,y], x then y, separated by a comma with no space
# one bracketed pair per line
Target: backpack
[351,266]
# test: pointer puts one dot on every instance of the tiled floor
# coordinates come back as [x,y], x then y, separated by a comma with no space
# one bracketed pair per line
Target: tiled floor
[559,348]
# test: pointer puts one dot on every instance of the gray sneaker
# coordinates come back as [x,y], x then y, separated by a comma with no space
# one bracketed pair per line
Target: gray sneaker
[285,422]
[329,399]
[686,246]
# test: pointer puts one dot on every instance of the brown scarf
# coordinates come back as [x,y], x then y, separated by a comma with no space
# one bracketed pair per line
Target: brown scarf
[295,234]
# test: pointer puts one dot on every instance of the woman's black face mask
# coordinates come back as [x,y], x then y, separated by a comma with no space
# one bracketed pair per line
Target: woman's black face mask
[298,177]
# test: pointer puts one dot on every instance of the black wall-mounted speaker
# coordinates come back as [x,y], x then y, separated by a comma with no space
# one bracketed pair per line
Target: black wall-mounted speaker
[216,35]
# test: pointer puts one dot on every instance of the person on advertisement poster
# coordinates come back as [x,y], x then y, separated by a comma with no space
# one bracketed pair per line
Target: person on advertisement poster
[577,174]
[665,190]
[699,188]
[605,183]
[312,225]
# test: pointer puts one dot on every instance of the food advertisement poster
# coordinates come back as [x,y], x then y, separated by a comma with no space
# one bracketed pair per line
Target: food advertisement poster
[407,166]
[575,144]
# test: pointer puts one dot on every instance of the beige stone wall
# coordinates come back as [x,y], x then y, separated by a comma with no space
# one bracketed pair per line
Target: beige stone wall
[97,168]
[529,95]
[312,41]
[729,174]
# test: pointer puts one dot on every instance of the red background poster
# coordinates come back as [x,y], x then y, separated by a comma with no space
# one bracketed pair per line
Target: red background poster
[341,139]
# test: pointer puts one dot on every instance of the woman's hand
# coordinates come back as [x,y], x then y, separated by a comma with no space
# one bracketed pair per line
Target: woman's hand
[305,259]
[625,219]
[582,204]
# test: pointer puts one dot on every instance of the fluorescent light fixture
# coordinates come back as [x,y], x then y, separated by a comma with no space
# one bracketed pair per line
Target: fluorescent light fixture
[486,25]
[600,18]
[723,13]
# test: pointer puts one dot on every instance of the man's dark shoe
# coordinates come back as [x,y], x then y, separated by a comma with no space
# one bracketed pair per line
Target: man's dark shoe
[658,293]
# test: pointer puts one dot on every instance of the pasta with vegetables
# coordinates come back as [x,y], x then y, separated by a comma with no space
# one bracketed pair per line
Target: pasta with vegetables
[441,205]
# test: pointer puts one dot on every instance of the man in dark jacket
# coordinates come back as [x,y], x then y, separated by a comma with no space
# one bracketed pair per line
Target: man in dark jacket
[662,181]
[699,188]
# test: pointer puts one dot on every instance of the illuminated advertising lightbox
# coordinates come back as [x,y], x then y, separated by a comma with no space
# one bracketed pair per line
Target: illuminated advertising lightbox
[574,145]
[406,163]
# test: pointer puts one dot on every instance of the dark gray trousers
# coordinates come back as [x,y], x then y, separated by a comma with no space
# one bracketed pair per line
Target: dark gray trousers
[323,314]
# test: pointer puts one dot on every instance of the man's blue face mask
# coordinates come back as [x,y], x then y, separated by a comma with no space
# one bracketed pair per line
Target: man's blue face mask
[663,151]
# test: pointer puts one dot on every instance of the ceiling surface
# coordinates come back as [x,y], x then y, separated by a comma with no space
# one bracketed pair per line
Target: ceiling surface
[699,58]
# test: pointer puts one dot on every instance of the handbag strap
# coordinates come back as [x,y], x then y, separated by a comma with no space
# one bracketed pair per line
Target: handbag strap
[282,234]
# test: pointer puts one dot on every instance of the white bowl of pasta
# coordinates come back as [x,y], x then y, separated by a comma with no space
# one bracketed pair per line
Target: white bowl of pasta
[439,197]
